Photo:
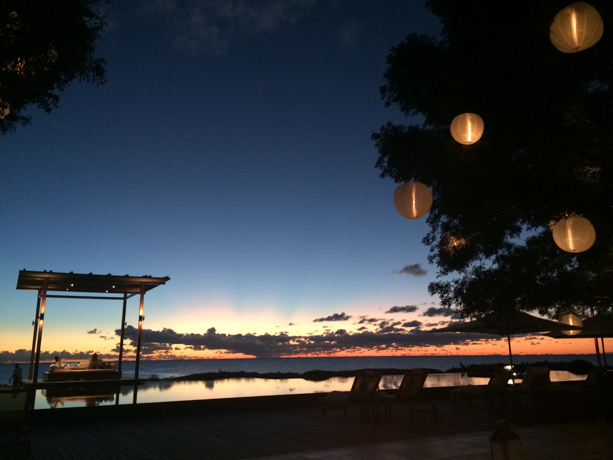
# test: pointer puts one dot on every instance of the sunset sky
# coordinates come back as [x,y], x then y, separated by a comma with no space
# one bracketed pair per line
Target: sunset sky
[229,150]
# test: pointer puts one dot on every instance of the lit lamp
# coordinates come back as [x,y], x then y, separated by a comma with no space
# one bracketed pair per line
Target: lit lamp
[505,444]
[576,27]
[572,320]
[574,234]
[4,109]
[451,244]
[412,200]
[467,128]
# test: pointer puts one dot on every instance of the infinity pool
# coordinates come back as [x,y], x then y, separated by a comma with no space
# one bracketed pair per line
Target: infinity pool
[169,391]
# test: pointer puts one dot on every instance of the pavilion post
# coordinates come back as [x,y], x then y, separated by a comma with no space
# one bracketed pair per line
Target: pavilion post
[34,335]
[138,340]
[123,329]
[140,329]
[41,319]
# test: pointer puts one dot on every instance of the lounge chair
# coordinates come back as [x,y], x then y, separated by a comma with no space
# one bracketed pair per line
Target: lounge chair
[13,416]
[363,393]
[410,392]
[497,388]
[571,401]
[535,380]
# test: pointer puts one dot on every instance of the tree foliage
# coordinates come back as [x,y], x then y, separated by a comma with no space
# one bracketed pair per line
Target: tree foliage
[44,45]
[547,152]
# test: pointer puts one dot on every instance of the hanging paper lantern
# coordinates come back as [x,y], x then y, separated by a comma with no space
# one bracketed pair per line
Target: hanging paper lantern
[572,320]
[467,128]
[412,200]
[576,27]
[574,234]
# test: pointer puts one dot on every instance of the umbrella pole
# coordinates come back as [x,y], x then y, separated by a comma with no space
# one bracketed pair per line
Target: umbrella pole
[596,342]
[597,352]
[510,354]
[604,353]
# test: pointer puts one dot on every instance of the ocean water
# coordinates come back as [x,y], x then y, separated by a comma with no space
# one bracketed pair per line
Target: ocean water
[174,368]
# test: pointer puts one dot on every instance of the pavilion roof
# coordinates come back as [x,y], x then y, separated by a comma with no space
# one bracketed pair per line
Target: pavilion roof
[81,282]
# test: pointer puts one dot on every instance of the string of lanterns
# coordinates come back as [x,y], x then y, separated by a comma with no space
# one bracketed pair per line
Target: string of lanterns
[575,28]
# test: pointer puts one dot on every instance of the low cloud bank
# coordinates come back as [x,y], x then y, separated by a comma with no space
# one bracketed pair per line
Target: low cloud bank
[388,337]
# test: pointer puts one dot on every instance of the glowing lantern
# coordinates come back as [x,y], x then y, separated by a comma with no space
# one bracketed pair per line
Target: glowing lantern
[576,27]
[412,200]
[451,244]
[4,110]
[574,234]
[505,444]
[467,128]
[572,320]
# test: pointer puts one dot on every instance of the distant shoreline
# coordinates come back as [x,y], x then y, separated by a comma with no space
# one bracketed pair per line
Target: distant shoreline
[578,366]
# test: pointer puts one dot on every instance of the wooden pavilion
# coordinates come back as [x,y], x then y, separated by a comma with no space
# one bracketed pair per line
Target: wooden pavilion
[84,286]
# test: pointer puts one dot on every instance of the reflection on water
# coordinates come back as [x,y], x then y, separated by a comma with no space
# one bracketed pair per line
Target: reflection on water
[78,397]
[169,391]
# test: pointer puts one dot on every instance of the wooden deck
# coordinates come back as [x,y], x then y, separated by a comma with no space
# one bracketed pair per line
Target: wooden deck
[226,429]
[238,429]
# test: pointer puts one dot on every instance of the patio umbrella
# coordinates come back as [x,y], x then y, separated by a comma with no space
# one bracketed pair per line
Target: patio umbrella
[506,325]
[599,326]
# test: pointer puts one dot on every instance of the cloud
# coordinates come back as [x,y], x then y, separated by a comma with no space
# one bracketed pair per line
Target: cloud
[405,309]
[388,337]
[412,270]
[385,327]
[365,319]
[93,331]
[334,317]
[442,311]
[348,35]
[412,324]
[210,26]
[438,323]
[23,355]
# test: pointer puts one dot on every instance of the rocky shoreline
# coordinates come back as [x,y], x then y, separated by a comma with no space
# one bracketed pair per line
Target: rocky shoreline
[579,366]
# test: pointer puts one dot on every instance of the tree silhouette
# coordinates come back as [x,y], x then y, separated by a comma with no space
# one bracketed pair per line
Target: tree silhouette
[44,45]
[547,152]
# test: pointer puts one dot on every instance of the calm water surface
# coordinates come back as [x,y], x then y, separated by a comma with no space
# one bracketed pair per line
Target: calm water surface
[169,391]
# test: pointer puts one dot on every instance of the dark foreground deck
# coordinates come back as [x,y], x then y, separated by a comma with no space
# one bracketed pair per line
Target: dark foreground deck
[292,427]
